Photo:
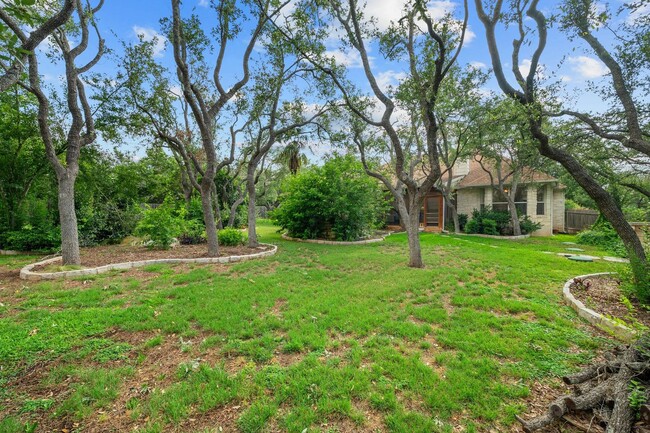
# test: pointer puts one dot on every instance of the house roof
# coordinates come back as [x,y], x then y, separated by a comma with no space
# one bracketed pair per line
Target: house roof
[478,177]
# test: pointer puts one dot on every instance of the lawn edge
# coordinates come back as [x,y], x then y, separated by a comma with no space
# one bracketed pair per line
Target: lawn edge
[619,331]
[27,274]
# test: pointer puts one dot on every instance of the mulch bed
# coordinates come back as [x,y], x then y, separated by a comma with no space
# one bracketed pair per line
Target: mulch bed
[111,254]
[603,294]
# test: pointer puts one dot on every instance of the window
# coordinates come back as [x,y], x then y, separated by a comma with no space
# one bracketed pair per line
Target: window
[500,202]
[540,200]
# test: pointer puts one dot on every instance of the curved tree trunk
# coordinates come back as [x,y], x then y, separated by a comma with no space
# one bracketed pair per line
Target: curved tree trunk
[68,220]
[252,214]
[208,219]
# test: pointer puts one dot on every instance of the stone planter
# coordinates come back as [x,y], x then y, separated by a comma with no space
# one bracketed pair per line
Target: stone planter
[618,330]
[26,273]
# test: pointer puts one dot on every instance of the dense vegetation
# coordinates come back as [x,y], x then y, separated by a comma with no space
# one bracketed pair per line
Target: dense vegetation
[336,201]
[487,221]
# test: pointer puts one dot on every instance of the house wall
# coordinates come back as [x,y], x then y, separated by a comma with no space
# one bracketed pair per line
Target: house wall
[559,218]
[469,199]
[547,219]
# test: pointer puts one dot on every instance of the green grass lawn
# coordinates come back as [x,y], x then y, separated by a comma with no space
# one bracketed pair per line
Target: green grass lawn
[315,338]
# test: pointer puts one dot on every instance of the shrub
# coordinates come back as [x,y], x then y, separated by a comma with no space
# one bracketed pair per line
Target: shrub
[492,222]
[490,227]
[336,201]
[193,233]
[31,238]
[603,235]
[498,222]
[106,223]
[161,225]
[528,226]
[472,227]
[231,237]
[462,220]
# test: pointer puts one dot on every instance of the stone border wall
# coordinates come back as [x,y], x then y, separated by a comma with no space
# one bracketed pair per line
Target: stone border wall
[8,253]
[27,274]
[478,235]
[619,331]
[324,242]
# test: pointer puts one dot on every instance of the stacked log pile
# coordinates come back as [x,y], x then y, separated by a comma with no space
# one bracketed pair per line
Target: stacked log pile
[613,394]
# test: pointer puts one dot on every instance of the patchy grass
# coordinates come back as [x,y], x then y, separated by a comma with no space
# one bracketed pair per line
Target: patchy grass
[316,338]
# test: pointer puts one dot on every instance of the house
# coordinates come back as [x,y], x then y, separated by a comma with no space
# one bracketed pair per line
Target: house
[539,195]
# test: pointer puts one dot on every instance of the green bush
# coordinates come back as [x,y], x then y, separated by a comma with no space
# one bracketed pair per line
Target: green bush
[472,227]
[492,222]
[497,222]
[160,225]
[231,237]
[106,223]
[528,226]
[193,233]
[603,235]
[31,238]
[336,201]
[462,220]
[490,227]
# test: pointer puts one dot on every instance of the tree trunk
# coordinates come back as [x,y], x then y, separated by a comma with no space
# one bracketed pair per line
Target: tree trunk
[68,220]
[454,214]
[208,219]
[252,214]
[413,232]
[216,207]
[514,218]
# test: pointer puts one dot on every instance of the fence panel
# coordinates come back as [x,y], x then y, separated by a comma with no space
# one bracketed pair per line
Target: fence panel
[577,220]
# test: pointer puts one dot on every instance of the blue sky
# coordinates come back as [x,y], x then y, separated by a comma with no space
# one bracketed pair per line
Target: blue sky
[122,20]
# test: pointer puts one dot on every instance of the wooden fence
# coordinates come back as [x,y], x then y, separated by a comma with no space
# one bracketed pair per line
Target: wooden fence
[577,220]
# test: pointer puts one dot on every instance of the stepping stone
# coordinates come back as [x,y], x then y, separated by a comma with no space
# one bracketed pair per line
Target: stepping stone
[581,258]
[548,252]
[575,249]
[569,243]
[616,259]
[565,254]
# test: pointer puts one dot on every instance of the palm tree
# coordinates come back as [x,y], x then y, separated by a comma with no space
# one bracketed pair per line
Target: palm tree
[293,155]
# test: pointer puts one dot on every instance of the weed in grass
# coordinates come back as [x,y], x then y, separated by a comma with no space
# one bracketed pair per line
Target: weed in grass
[40,404]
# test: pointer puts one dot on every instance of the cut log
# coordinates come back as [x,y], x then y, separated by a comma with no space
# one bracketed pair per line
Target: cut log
[622,414]
[588,374]
[592,397]
[536,423]
[555,411]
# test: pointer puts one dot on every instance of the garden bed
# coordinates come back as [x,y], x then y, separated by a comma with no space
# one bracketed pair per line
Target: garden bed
[598,298]
[101,259]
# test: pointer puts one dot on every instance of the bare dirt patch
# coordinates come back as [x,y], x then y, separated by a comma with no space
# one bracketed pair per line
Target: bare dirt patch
[603,294]
[110,254]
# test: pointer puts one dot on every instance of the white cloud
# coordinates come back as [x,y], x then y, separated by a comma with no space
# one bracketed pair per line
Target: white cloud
[389,78]
[641,13]
[587,67]
[349,59]
[524,67]
[387,11]
[204,3]
[477,65]
[149,34]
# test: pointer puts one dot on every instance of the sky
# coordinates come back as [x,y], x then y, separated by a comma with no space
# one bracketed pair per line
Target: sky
[572,64]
